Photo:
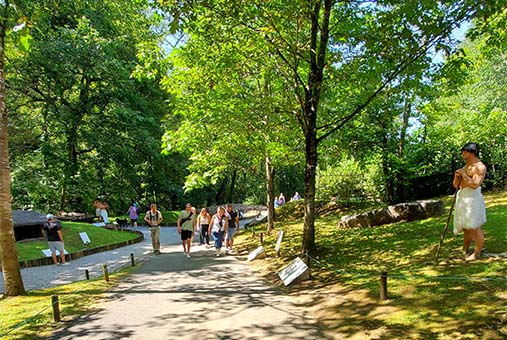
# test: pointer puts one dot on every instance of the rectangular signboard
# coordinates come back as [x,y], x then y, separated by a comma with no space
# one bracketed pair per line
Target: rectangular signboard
[292,271]
[279,242]
[255,253]
[85,238]
[47,252]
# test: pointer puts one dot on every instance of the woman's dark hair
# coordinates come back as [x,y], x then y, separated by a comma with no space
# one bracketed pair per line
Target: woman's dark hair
[472,148]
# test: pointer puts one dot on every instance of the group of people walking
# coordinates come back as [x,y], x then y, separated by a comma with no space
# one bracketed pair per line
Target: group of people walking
[220,227]
[469,217]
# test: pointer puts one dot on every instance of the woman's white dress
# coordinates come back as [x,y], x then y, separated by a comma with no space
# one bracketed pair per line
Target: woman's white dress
[470,210]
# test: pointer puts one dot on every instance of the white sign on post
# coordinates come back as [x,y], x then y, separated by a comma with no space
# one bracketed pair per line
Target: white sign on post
[279,242]
[85,238]
[47,252]
[255,253]
[292,271]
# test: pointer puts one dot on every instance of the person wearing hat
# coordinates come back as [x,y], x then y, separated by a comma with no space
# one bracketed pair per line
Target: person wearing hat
[53,229]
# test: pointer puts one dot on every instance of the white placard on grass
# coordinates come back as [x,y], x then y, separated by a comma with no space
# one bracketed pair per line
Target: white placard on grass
[255,253]
[47,252]
[99,224]
[279,242]
[292,271]
[85,238]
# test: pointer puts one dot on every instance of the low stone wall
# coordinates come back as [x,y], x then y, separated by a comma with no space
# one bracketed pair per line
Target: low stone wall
[411,211]
[83,252]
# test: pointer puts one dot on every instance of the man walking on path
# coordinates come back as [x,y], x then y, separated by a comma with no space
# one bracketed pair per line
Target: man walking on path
[154,217]
[233,226]
[53,229]
[186,228]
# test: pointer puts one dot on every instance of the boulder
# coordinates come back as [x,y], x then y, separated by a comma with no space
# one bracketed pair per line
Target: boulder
[410,211]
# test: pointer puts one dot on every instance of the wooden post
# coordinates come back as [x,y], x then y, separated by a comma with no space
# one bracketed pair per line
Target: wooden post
[106,273]
[87,274]
[132,260]
[383,286]
[56,308]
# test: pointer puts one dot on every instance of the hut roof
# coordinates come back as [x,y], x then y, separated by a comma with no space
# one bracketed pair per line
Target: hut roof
[21,218]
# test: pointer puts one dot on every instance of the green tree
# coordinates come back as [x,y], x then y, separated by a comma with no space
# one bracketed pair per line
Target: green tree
[13,282]
[90,112]
[356,48]
[231,115]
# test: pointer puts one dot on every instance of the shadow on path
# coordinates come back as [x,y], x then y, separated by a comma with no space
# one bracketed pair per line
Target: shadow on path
[203,297]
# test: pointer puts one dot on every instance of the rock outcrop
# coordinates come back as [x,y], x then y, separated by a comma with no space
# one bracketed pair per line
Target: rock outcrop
[410,211]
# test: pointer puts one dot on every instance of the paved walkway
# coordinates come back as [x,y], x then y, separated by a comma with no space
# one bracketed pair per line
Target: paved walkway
[49,276]
[174,297]
[199,298]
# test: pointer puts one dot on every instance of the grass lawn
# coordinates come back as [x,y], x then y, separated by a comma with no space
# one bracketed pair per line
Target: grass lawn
[451,299]
[32,249]
[169,217]
[31,316]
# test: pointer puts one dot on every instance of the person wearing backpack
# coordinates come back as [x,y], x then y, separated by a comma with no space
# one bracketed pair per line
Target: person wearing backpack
[186,228]
[154,217]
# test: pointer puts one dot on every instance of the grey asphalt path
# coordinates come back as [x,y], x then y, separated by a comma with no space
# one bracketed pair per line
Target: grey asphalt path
[50,276]
[198,298]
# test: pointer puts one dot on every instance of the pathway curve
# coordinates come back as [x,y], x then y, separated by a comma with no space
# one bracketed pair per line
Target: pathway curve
[52,275]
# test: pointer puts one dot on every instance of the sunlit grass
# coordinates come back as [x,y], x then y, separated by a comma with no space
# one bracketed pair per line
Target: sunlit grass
[32,249]
[448,299]
[29,316]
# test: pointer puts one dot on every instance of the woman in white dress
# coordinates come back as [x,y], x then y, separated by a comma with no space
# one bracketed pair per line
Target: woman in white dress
[470,212]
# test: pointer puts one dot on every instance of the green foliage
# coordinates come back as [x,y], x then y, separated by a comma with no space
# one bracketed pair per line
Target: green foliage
[82,126]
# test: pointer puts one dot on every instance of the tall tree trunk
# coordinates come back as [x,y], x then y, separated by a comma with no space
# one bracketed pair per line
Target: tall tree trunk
[318,47]
[13,282]
[270,189]
[310,172]
[230,195]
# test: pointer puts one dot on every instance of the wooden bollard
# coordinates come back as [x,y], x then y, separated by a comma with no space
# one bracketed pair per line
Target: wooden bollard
[383,286]
[56,308]
[106,273]
[132,260]
[87,274]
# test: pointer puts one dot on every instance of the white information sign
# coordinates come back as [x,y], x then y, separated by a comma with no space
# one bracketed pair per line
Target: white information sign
[85,238]
[292,271]
[279,242]
[255,253]
[47,252]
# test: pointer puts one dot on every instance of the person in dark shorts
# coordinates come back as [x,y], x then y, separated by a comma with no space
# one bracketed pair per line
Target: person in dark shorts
[53,229]
[232,228]
[186,228]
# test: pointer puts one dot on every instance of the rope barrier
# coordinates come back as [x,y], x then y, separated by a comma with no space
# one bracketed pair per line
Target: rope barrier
[427,277]
[30,319]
